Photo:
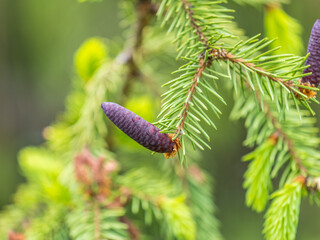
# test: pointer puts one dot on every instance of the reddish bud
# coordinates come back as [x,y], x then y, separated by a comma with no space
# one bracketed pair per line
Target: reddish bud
[197,174]
[15,236]
[94,174]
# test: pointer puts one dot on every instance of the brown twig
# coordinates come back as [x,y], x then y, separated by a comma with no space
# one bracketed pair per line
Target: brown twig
[203,64]
[188,8]
[228,56]
[279,131]
[132,228]
[145,10]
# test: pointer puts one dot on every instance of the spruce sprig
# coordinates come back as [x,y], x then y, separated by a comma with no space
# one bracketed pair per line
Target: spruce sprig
[199,185]
[88,221]
[204,43]
[281,151]
[283,214]
[157,198]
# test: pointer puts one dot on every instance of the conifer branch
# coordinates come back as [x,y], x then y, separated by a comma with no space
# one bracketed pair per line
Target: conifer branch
[203,208]
[225,55]
[279,144]
[279,132]
[282,217]
[100,223]
[155,195]
[203,43]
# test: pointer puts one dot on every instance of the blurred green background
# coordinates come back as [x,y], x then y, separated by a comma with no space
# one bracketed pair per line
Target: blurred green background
[37,42]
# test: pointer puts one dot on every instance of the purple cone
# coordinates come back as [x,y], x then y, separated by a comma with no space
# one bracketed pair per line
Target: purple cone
[314,57]
[138,129]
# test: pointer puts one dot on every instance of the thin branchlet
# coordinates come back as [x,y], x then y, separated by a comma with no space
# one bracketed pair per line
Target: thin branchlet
[281,133]
[132,228]
[203,63]
[228,56]
[145,11]
[188,8]
[196,78]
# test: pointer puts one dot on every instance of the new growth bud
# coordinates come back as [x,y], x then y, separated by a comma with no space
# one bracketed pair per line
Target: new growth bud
[314,58]
[140,130]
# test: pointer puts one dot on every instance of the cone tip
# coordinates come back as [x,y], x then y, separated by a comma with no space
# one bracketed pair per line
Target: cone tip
[104,105]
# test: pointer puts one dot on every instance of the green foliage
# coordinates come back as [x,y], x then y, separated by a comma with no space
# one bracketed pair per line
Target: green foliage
[95,222]
[188,98]
[43,200]
[203,208]
[61,134]
[13,215]
[257,177]
[89,57]
[147,196]
[281,146]
[42,168]
[82,125]
[145,181]
[179,218]
[49,225]
[90,127]
[262,124]
[279,25]
[283,214]
[157,197]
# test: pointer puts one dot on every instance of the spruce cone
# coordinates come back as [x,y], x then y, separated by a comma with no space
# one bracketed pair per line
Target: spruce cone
[140,130]
[314,57]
